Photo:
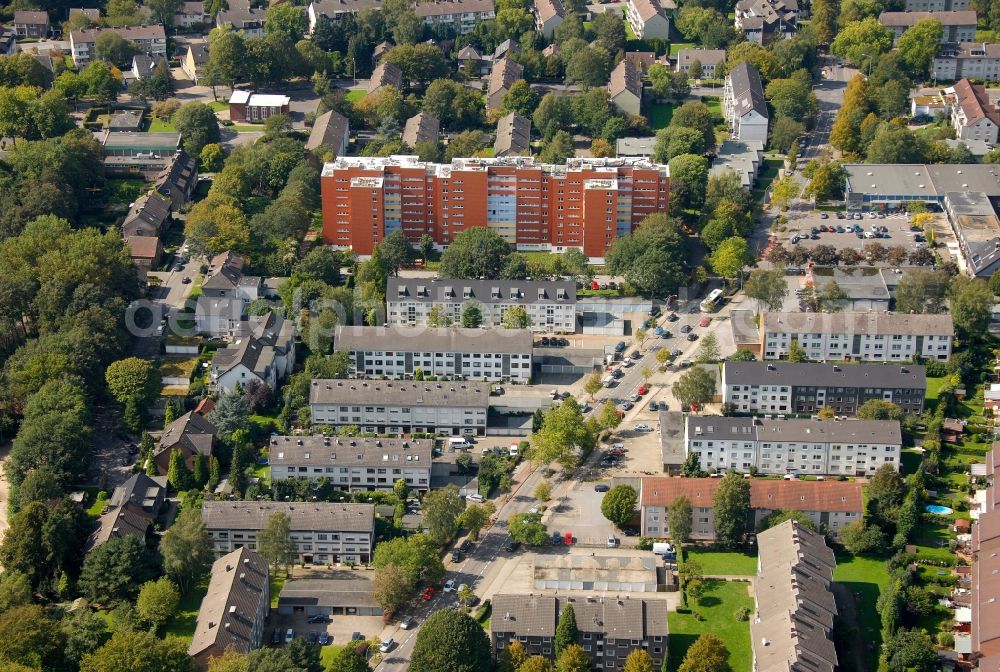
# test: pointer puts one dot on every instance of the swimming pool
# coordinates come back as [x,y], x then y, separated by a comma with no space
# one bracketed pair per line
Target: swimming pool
[937,510]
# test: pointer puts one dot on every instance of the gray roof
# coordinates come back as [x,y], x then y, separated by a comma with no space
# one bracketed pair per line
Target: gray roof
[128,520]
[503,75]
[703,56]
[445,7]
[329,130]
[151,210]
[454,290]
[304,516]
[672,437]
[386,74]
[177,180]
[333,8]
[908,376]
[238,583]
[253,353]
[191,431]
[513,135]
[429,339]
[792,627]
[748,92]
[870,323]
[635,146]
[537,616]
[923,181]
[421,127]
[126,119]
[952,18]
[348,592]
[973,215]
[716,427]
[131,33]
[399,393]
[143,491]
[143,141]
[858,282]
[199,52]
[337,451]
[240,14]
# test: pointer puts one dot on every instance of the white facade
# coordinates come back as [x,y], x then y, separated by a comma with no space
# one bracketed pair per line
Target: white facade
[382,461]
[470,365]
[647,19]
[866,347]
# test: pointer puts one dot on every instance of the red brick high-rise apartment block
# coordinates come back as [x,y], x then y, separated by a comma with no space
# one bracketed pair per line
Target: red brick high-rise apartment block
[585,204]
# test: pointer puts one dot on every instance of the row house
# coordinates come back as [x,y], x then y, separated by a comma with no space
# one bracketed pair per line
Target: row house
[959,26]
[352,464]
[765,21]
[973,60]
[647,19]
[242,17]
[263,350]
[744,105]
[461,15]
[149,40]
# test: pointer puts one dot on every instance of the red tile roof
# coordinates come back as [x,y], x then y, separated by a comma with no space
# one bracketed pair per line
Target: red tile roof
[764,494]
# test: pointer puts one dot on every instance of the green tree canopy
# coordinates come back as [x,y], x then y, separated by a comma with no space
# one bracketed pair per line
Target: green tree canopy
[451,641]
[618,505]
[732,509]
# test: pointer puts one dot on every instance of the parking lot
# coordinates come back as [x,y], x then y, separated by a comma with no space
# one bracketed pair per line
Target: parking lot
[843,233]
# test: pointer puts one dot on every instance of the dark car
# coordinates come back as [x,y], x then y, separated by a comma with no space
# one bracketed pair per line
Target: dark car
[545,341]
[563,342]
[692,336]
[635,354]
[654,406]
[840,215]
[626,405]
[602,487]
[686,328]
[672,317]
[617,373]
[675,352]
[465,546]
[318,618]
[324,638]
[814,230]
[557,539]
[456,556]
[511,546]
[620,346]
[276,637]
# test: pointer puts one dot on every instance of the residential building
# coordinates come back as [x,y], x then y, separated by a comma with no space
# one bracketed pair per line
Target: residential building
[792,627]
[625,88]
[194,61]
[133,507]
[959,26]
[178,180]
[148,216]
[461,15]
[473,354]
[380,50]
[765,21]
[503,75]
[236,608]
[385,74]
[225,295]
[863,336]
[323,532]
[8,47]
[514,196]
[508,47]
[741,157]
[347,596]
[146,153]
[935,5]
[92,13]
[243,17]
[609,627]
[264,350]
[191,14]
[192,434]
[145,252]
[743,104]
[31,24]
[548,15]
[815,447]
[331,130]
[985,588]
[644,60]
[709,59]
[352,464]
[976,60]
[144,65]
[784,387]
[933,105]
[332,10]
[879,186]
[604,573]
[256,107]
[421,127]
[974,220]
[550,304]
[647,19]
[513,136]
[149,40]
[828,504]
[395,407]
[973,116]
[476,64]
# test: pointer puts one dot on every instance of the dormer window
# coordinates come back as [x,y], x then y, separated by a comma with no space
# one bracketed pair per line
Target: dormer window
[467,293]
[495,292]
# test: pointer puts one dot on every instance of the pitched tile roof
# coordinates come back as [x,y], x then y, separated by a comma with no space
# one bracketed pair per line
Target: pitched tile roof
[193,431]
[399,392]
[955,18]
[386,74]
[329,130]
[842,496]
[537,616]
[445,7]
[238,583]
[505,72]
[421,127]
[513,135]
[625,77]
[424,339]
[646,9]
[547,9]
[334,451]
[748,92]
[975,103]
[143,247]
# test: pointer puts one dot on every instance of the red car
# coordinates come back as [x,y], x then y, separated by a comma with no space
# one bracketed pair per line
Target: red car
[428,593]
[704,322]
[642,390]
[568,538]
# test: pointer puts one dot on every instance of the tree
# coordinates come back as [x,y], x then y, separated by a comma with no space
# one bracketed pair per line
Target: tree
[696,386]
[573,658]
[30,638]
[416,555]
[536,664]
[697,116]
[519,99]
[783,191]
[474,253]
[348,659]
[129,651]
[114,49]
[230,414]
[562,431]
[879,409]
[158,601]
[392,588]
[593,385]
[543,491]
[472,316]
[275,543]
[767,287]
[558,149]
[862,42]
[994,283]
[114,570]
[516,317]
[442,509]
[732,504]
[911,651]
[133,378]
[707,654]
[450,641]
[894,143]
[610,32]
[731,257]
[886,491]
[708,352]
[859,538]
[618,505]
[512,657]
[650,257]
[796,353]
[187,549]
[178,474]
[688,179]
[826,180]
[677,140]
[198,126]
[785,132]
[971,306]
[15,589]
[287,19]
[778,517]
[566,631]
[527,528]
[917,46]
[475,517]
[679,520]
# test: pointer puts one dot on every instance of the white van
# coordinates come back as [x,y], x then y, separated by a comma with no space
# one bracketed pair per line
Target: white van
[458,443]
[609,381]
[515,450]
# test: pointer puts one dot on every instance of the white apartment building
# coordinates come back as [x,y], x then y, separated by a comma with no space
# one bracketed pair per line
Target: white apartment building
[352,464]
[149,40]
[744,105]
[551,305]
[829,504]
[462,15]
[454,408]
[976,60]
[814,447]
[323,532]
[647,19]
[470,354]
[864,336]
[973,116]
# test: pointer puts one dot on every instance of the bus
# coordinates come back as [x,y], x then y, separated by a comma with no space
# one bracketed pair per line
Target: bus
[708,305]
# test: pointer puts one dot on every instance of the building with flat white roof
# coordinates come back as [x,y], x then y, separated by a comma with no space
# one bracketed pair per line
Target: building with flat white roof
[256,107]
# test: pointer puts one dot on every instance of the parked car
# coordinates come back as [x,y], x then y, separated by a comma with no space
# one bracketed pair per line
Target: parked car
[654,406]
[686,328]
[318,618]
[627,362]
[276,637]
[667,334]
[289,636]
[449,585]
[620,346]
[386,646]
[465,546]
[324,638]
[705,321]
[612,541]
[636,354]
[658,331]
[545,341]
[557,538]
[823,215]
[428,593]
[568,539]
[643,427]
[675,352]
[692,336]
[626,405]
[511,546]
[633,397]
[642,390]
[602,487]
[672,317]
[456,556]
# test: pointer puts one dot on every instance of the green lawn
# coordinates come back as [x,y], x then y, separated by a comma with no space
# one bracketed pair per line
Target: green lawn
[354,95]
[660,114]
[248,128]
[677,47]
[160,126]
[219,105]
[864,578]
[767,175]
[183,623]
[723,563]
[718,607]
[275,583]
[714,105]
[629,33]
[326,654]
[122,191]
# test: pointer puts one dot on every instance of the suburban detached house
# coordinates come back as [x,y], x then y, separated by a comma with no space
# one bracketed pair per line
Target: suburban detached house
[31,24]
[133,507]
[625,88]
[192,434]
[191,13]
[764,21]
[194,61]
[505,72]
[647,19]
[474,61]
[145,252]
[331,130]
[264,350]
[744,105]
[225,295]
[242,17]
[235,610]
[148,215]
[422,127]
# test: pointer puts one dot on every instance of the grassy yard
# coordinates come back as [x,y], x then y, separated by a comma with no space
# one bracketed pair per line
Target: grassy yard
[122,191]
[354,95]
[864,578]
[714,105]
[177,367]
[767,175]
[677,47]
[183,623]
[723,563]
[160,126]
[218,105]
[718,607]
[660,114]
